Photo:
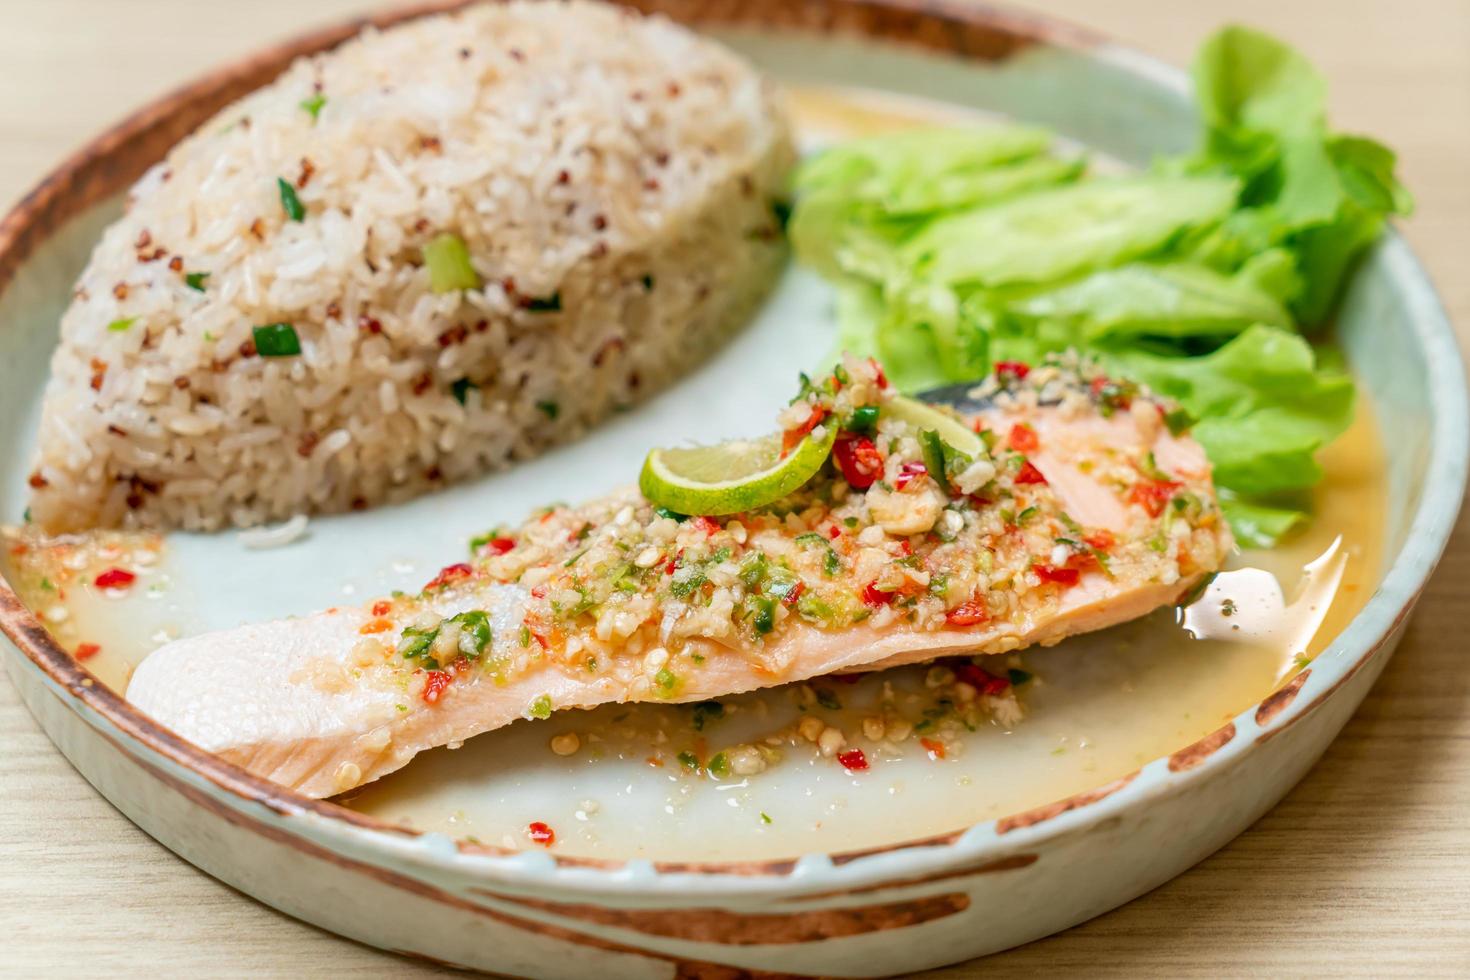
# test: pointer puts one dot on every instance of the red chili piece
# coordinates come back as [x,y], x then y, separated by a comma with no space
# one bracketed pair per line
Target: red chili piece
[1030,474]
[933,747]
[873,596]
[1105,390]
[435,681]
[86,650]
[794,594]
[859,460]
[382,607]
[500,546]
[791,438]
[1101,540]
[1152,495]
[981,679]
[1012,369]
[972,612]
[115,578]
[1060,576]
[709,527]
[448,574]
[853,760]
[1023,438]
[909,472]
[881,379]
[540,833]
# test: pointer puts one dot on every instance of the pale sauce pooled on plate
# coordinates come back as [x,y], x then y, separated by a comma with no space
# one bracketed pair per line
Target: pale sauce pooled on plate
[644,780]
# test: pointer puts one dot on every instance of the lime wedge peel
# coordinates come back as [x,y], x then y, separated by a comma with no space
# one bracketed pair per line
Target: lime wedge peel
[731,476]
[954,432]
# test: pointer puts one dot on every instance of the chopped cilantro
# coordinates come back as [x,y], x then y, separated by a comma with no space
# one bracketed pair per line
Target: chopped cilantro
[276,340]
[474,632]
[1017,677]
[685,585]
[863,420]
[781,211]
[706,712]
[1150,468]
[118,326]
[314,104]
[540,708]
[815,609]
[417,642]
[763,613]
[290,203]
[832,561]
[754,569]
[1178,420]
[547,304]
[550,409]
[195,280]
[461,389]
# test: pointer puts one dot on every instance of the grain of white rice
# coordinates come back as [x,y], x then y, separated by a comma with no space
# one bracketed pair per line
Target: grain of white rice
[616,163]
[276,536]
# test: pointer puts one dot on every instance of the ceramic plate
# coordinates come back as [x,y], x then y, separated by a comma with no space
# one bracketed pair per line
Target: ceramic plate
[1142,751]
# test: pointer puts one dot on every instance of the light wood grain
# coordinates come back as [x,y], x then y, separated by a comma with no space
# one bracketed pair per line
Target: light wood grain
[1363,871]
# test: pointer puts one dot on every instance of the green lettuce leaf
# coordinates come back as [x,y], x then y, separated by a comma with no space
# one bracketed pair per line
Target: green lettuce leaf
[1257,523]
[955,248]
[1172,299]
[1264,404]
[1323,196]
[859,200]
[1052,234]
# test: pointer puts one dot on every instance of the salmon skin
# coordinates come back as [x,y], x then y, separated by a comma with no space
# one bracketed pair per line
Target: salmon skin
[1078,507]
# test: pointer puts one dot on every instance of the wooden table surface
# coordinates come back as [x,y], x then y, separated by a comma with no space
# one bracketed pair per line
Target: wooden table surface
[1363,870]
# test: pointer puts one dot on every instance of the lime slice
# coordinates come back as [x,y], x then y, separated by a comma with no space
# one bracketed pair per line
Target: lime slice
[731,476]
[955,433]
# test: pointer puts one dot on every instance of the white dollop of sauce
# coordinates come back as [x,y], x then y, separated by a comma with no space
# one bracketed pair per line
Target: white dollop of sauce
[1249,604]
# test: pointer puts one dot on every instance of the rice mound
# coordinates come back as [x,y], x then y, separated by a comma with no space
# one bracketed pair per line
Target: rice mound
[614,179]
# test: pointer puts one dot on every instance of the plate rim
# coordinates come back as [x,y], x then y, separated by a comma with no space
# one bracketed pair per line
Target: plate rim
[966,30]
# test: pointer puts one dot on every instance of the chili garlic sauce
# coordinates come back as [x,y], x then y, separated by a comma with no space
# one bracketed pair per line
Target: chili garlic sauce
[655,781]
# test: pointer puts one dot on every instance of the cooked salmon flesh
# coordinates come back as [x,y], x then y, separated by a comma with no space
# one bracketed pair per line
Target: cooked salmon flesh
[1083,510]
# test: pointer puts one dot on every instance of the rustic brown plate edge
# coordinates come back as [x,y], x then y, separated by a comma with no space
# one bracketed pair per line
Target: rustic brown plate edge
[93,174]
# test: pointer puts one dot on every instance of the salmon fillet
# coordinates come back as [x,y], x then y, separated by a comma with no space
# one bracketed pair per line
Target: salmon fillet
[1084,512]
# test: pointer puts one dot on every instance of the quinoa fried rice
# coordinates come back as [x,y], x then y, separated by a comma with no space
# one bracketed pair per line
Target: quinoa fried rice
[612,178]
